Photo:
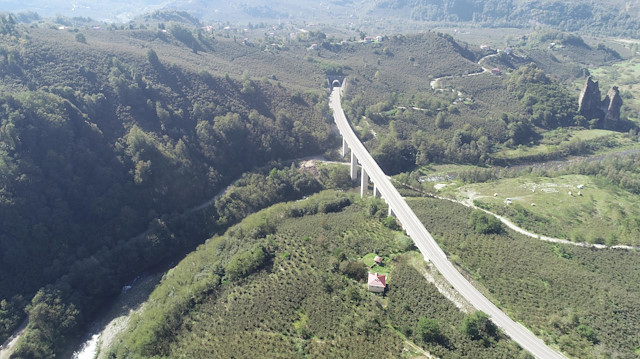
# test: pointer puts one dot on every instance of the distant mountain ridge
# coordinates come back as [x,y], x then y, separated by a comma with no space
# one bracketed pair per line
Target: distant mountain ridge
[615,18]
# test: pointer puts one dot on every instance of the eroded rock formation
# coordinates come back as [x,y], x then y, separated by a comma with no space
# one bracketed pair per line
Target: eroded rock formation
[607,111]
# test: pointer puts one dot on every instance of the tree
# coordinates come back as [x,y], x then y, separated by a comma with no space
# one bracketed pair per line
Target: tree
[391,223]
[428,329]
[81,38]
[245,263]
[354,270]
[152,57]
[587,332]
[478,325]
[484,223]
[440,120]
[50,320]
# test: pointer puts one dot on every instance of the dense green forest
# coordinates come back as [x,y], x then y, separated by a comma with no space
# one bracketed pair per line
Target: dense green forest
[297,290]
[100,145]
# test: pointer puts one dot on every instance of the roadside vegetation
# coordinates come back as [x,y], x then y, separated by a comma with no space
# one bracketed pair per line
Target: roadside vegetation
[566,294]
[302,293]
[589,200]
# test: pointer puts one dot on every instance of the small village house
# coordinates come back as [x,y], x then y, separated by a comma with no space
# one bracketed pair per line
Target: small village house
[377,283]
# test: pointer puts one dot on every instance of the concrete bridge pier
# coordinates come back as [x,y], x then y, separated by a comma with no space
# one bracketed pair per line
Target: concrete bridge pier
[376,191]
[364,183]
[345,147]
[354,167]
[391,213]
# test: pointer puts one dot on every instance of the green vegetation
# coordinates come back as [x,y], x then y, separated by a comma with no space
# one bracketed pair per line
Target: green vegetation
[545,292]
[591,202]
[105,151]
[81,38]
[112,139]
[428,329]
[478,326]
[251,193]
[484,223]
[559,291]
[302,301]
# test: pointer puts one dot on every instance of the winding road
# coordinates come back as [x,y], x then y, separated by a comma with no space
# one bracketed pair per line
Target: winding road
[428,246]
[434,82]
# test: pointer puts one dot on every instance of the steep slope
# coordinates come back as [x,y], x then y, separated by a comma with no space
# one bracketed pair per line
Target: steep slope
[298,290]
[98,142]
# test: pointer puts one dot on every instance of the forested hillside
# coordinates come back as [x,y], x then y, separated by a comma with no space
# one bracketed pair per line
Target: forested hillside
[288,281]
[110,135]
[100,144]
[297,290]
[603,18]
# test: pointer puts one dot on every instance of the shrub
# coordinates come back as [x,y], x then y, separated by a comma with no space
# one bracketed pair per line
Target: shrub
[354,270]
[428,329]
[245,263]
[478,325]
[484,223]
[391,223]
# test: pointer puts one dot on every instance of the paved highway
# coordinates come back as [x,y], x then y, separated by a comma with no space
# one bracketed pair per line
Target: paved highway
[428,246]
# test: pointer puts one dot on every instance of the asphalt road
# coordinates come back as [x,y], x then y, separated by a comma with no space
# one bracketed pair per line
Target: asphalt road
[428,246]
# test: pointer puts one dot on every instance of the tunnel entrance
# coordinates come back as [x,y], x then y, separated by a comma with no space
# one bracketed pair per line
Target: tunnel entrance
[335,80]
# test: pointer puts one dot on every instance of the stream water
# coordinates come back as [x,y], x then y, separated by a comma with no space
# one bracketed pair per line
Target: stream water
[89,348]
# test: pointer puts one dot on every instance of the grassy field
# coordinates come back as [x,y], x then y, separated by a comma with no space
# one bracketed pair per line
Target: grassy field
[553,141]
[558,207]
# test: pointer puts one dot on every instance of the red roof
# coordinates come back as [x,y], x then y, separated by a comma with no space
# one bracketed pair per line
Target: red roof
[377,280]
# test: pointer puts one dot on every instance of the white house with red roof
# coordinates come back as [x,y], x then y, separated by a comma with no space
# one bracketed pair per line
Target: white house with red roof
[377,282]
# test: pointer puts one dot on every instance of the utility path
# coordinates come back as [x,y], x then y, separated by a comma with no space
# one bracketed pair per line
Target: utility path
[428,246]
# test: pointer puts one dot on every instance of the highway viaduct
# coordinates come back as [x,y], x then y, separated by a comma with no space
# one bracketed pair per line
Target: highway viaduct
[419,234]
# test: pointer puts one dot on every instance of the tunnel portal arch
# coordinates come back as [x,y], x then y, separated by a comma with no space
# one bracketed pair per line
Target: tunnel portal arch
[336,81]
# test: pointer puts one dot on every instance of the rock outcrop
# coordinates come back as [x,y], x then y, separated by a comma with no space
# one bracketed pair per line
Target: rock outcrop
[607,111]
[615,104]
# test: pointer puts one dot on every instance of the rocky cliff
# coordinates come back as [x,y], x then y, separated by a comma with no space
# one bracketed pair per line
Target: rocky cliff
[606,111]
